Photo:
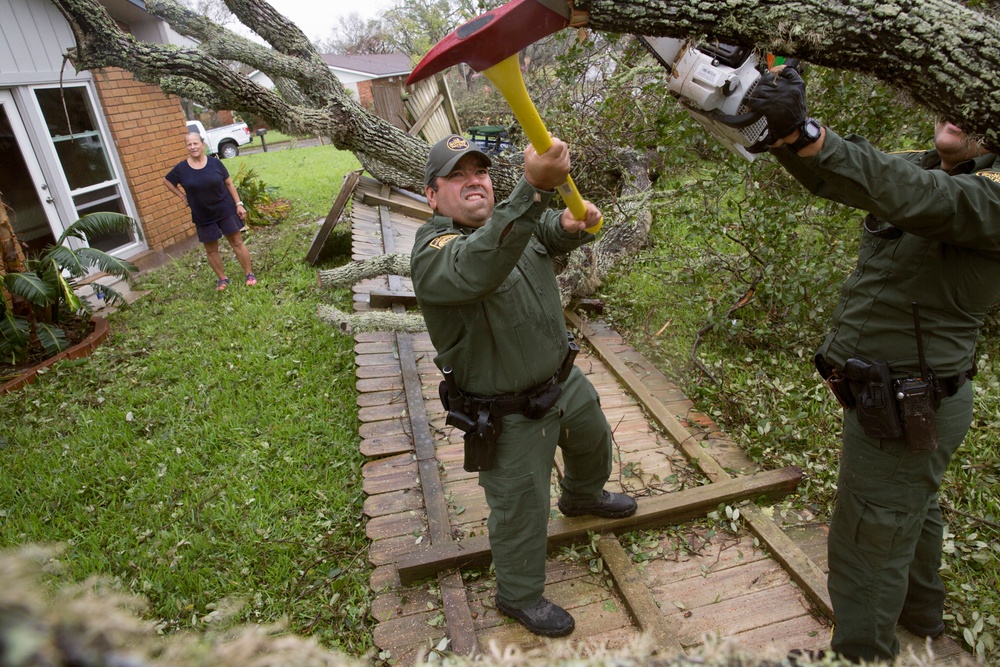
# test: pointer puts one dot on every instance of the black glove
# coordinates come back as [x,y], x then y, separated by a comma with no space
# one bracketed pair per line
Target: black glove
[781,98]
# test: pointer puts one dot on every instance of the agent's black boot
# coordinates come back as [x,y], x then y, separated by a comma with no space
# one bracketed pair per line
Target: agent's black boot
[544,618]
[610,506]
[922,628]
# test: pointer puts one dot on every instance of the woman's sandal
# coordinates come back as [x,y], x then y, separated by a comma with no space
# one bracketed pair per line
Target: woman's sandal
[221,284]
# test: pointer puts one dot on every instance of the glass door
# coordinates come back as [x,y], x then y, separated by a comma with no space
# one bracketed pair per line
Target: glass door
[79,144]
[22,186]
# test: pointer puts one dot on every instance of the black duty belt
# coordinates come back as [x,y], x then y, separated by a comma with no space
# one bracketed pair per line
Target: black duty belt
[951,385]
[510,404]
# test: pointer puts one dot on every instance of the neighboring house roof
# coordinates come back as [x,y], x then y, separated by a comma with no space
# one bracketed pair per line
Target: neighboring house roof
[374,65]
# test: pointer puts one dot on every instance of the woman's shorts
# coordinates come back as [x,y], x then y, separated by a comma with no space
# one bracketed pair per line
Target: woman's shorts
[214,231]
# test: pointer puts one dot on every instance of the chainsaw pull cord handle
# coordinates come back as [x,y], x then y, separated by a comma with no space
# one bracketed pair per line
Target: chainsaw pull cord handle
[506,77]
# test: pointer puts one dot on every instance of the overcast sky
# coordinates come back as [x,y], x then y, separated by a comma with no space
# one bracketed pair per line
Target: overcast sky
[318,18]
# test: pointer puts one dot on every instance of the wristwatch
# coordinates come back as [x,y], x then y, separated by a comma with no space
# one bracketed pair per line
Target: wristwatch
[809,132]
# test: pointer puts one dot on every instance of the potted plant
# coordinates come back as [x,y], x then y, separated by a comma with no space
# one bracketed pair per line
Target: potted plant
[48,282]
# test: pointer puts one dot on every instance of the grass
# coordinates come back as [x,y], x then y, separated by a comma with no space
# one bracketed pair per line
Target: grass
[309,177]
[207,454]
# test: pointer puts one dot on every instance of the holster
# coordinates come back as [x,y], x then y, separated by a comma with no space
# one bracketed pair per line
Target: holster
[838,383]
[878,412]
[480,418]
[481,441]
[540,404]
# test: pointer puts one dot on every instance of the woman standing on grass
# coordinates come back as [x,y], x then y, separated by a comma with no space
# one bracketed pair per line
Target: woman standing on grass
[216,209]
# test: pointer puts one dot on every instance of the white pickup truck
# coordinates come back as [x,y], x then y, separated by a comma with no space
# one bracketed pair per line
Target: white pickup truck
[223,141]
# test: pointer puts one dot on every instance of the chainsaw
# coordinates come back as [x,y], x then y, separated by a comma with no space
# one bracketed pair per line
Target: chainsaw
[711,81]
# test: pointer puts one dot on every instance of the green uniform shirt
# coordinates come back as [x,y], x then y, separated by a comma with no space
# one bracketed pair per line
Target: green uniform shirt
[948,261]
[490,299]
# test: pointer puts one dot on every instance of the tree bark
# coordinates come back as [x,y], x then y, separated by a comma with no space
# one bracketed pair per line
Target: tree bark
[11,255]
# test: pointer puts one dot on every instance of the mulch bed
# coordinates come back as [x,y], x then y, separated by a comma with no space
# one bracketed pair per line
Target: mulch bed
[76,330]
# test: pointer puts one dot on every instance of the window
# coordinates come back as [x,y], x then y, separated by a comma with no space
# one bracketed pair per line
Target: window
[79,143]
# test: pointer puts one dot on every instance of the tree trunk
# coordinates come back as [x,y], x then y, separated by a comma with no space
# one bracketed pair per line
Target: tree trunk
[11,255]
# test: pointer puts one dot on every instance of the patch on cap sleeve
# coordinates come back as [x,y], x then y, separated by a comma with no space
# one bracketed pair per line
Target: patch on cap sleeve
[442,241]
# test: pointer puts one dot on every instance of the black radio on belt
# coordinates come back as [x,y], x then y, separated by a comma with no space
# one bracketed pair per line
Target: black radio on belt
[916,404]
[919,399]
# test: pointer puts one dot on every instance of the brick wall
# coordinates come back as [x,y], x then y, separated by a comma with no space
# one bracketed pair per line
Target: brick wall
[365,94]
[148,129]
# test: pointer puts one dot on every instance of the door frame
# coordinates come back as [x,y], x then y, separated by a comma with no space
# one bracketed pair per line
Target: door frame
[64,196]
[35,169]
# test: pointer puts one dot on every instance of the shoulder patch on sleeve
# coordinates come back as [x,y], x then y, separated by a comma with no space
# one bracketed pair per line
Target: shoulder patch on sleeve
[992,175]
[442,241]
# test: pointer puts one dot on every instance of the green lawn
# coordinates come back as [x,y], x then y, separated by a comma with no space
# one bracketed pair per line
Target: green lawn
[207,453]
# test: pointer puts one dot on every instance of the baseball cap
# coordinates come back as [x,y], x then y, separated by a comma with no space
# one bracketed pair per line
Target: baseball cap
[446,153]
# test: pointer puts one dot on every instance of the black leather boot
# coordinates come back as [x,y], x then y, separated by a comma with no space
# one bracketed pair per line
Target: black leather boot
[544,618]
[611,506]
[922,628]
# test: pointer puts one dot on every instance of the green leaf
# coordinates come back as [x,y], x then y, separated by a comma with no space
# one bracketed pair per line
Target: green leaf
[93,225]
[105,262]
[53,339]
[66,259]
[113,297]
[31,288]
[69,296]
[15,334]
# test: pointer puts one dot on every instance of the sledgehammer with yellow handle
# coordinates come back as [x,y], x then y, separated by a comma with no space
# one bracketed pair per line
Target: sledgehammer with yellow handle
[490,44]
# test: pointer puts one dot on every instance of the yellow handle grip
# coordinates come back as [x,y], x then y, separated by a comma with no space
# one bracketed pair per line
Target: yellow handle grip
[506,77]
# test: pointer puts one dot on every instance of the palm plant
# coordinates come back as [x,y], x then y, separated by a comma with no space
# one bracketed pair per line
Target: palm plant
[49,282]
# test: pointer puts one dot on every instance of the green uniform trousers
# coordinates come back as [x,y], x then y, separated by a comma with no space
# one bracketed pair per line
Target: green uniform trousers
[518,487]
[886,533]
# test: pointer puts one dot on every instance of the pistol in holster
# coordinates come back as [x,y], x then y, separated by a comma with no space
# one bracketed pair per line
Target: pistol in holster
[475,419]
[875,401]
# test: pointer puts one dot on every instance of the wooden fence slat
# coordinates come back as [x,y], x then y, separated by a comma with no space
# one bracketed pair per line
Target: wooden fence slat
[414,209]
[804,571]
[346,190]
[404,500]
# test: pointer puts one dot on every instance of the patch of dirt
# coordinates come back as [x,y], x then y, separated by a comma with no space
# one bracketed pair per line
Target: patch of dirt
[76,330]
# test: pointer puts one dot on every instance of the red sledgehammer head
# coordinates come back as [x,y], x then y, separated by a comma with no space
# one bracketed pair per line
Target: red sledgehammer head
[488,39]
